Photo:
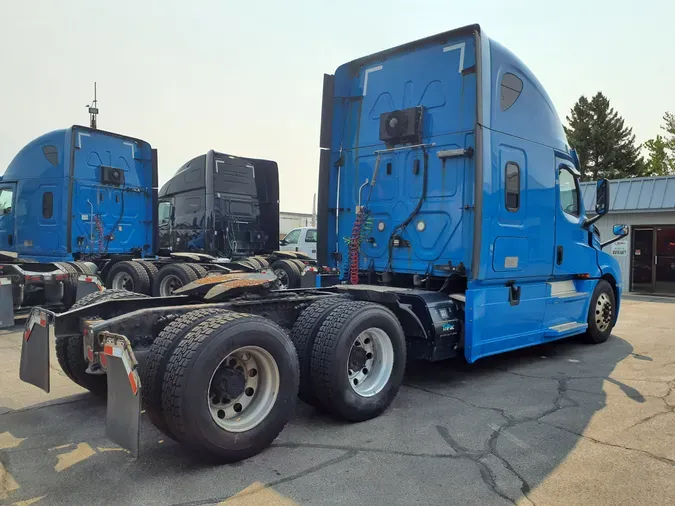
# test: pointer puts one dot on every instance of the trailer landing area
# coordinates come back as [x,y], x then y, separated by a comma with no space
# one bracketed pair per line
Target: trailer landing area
[556,424]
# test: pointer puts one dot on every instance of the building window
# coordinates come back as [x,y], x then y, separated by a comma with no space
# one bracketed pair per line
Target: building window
[511,88]
[512,187]
[569,192]
[47,205]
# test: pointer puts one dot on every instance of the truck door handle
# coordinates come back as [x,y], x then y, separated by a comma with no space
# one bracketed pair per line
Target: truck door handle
[559,255]
[297,249]
[10,239]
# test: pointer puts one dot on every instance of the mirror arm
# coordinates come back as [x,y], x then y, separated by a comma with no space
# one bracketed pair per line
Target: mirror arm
[589,221]
[613,240]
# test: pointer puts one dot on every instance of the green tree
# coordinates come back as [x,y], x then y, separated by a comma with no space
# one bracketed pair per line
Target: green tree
[605,145]
[661,161]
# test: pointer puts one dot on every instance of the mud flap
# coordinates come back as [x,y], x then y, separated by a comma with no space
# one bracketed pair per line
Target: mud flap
[34,367]
[6,303]
[87,285]
[123,419]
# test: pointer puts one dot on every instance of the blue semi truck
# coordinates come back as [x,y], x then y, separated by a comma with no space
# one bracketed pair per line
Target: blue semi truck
[449,202]
[82,201]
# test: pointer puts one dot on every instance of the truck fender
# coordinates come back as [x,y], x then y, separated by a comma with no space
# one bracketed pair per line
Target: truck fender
[611,272]
[412,326]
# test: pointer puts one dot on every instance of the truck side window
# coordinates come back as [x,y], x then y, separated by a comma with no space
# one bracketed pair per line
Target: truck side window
[511,88]
[512,187]
[47,205]
[5,201]
[569,192]
[293,236]
[311,235]
[51,154]
[164,213]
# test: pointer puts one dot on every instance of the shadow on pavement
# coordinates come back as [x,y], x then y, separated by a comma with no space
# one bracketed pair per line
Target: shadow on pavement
[486,433]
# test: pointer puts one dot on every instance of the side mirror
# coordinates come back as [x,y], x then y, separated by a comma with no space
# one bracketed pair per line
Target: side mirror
[602,197]
[621,230]
[282,242]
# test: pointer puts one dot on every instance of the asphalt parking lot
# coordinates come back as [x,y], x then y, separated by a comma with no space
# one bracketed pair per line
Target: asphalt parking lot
[565,423]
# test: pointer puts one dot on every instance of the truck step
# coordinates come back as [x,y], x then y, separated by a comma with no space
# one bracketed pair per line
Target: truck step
[565,329]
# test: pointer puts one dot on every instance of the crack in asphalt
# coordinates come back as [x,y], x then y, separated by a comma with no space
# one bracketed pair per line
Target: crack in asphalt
[49,404]
[499,411]
[665,460]
[346,456]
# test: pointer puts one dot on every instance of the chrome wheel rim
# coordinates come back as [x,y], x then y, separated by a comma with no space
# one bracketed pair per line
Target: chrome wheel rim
[282,277]
[603,312]
[243,389]
[123,281]
[168,284]
[371,361]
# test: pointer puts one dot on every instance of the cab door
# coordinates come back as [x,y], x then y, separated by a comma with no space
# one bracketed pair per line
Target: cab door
[7,206]
[573,255]
[290,242]
[165,216]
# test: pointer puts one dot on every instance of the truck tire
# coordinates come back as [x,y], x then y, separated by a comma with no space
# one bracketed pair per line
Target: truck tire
[303,334]
[171,277]
[601,313]
[70,349]
[287,272]
[130,276]
[81,268]
[358,360]
[160,352]
[230,386]
[301,266]
[70,285]
[255,262]
[264,263]
[151,270]
[199,270]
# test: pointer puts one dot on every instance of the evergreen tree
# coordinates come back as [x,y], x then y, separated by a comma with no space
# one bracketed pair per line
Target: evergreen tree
[605,145]
[659,163]
[661,150]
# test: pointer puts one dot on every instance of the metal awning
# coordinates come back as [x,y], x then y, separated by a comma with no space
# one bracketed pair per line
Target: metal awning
[640,194]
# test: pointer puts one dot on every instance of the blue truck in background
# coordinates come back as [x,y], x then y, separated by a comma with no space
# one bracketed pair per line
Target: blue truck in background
[449,207]
[69,201]
[82,201]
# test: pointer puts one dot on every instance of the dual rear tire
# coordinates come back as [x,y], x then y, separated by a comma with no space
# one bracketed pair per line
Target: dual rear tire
[352,357]
[144,277]
[70,349]
[221,383]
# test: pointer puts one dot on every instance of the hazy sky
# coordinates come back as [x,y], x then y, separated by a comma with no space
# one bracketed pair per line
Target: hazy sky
[245,77]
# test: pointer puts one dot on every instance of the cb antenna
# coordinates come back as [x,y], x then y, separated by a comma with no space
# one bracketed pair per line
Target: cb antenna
[93,110]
